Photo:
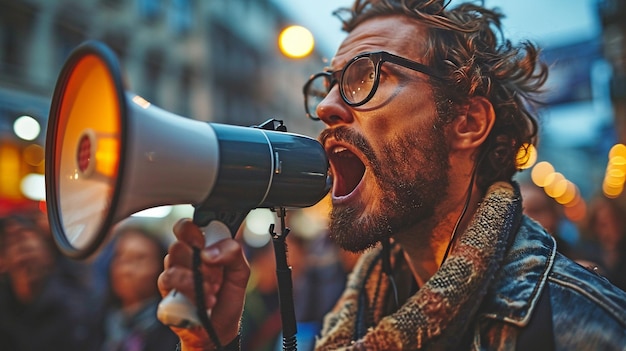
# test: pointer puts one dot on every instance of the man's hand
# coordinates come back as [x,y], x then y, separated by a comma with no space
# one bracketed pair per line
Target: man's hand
[225,273]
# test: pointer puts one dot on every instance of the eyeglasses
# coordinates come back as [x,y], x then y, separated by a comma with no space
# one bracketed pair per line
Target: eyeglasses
[358,80]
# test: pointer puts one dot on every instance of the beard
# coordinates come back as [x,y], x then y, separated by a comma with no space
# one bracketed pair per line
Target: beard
[412,185]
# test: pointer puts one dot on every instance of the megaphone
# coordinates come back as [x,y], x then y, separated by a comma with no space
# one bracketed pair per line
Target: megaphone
[110,153]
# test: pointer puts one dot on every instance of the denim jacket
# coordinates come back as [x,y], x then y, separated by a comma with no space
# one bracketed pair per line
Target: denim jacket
[588,313]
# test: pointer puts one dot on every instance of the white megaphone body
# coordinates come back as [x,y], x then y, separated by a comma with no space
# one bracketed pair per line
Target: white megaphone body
[110,153]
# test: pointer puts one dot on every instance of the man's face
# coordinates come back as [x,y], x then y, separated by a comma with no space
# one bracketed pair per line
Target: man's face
[389,157]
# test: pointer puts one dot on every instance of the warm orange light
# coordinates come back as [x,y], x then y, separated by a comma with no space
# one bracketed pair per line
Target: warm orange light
[568,195]
[541,173]
[296,42]
[143,103]
[526,156]
[574,202]
[576,213]
[107,154]
[87,152]
[33,155]
[616,173]
[617,162]
[612,191]
[559,188]
[91,103]
[617,150]
[614,178]
[9,171]
[557,185]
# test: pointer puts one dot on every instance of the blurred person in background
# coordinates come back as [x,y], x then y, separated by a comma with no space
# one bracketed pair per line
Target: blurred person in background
[318,279]
[130,322]
[604,238]
[46,301]
[546,211]
[321,284]
[261,318]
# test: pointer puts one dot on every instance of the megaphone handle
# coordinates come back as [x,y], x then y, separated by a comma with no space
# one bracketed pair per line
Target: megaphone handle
[175,309]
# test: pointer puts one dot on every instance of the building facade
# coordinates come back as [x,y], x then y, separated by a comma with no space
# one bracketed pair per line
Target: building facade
[214,61]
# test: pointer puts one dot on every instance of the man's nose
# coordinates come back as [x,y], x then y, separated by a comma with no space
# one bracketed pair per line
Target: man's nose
[333,110]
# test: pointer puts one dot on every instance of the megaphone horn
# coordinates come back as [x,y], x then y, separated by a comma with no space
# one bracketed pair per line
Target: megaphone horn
[110,153]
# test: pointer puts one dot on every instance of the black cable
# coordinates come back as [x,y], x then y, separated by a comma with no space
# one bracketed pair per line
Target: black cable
[465,207]
[285,285]
[386,264]
[200,306]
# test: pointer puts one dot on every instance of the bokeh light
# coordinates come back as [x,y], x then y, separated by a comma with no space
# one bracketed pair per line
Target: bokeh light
[617,150]
[296,42]
[556,185]
[541,174]
[33,187]
[615,174]
[577,212]
[526,156]
[569,194]
[34,155]
[26,128]
[256,227]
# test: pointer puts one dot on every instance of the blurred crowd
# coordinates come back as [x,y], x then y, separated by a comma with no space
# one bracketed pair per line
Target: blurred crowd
[108,302]
[598,242]
[50,302]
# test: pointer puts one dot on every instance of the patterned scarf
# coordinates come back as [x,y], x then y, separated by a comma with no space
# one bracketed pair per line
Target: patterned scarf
[438,315]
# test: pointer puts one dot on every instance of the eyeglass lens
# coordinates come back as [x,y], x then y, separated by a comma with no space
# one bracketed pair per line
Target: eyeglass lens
[316,91]
[357,82]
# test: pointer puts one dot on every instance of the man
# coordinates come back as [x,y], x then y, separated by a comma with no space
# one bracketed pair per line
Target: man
[426,110]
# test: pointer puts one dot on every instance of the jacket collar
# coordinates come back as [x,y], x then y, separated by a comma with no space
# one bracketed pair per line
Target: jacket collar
[518,285]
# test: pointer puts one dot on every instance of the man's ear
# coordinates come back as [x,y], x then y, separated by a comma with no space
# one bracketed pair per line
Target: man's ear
[470,130]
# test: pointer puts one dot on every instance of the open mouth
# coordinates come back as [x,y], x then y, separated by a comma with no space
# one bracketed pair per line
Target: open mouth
[347,169]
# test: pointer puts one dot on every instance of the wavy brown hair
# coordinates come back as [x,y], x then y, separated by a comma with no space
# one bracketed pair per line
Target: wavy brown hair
[466,46]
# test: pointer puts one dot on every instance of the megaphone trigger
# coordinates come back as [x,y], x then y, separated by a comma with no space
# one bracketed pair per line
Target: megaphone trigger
[215,231]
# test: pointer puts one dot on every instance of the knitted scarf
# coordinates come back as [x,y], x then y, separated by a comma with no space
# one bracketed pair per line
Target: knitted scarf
[438,315]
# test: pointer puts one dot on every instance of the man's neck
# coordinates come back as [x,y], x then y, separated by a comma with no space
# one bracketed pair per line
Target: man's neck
[425,244]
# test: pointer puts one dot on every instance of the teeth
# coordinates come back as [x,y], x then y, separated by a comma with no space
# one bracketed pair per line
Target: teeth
[339,149]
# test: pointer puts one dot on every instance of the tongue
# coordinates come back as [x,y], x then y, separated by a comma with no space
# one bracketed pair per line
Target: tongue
[349,173]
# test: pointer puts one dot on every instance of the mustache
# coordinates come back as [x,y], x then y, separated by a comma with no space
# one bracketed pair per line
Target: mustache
[345,135]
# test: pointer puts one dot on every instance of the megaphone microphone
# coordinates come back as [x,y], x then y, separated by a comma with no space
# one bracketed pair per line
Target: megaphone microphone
[110,153]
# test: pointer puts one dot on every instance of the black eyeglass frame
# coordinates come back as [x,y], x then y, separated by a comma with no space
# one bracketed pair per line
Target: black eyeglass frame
[378,58]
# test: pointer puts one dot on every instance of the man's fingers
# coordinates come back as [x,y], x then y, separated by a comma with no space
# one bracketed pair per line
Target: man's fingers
[186,231]
[181,280]
[180,254]
[229,254]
